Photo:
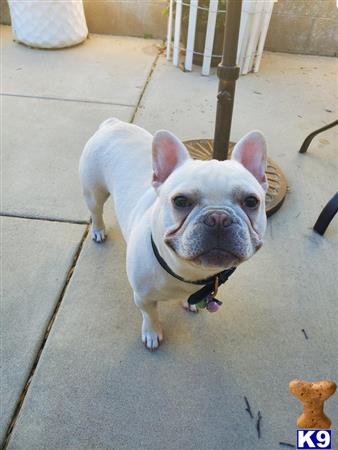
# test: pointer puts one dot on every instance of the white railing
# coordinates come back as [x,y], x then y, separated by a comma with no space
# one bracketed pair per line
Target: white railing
[255,19]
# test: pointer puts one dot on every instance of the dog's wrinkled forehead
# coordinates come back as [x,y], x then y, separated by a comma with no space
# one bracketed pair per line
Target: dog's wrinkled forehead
[214,181]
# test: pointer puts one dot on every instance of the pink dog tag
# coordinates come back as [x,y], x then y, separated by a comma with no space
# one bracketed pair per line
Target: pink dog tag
[213,304]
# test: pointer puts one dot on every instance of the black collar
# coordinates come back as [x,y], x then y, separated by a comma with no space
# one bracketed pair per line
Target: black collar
[210,284]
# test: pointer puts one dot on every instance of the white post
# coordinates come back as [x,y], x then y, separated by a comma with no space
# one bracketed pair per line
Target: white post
[253,37]
[244,31]
[177,32]
[266,20]
[170,29]
[191,35]
[209,39]
[257,35]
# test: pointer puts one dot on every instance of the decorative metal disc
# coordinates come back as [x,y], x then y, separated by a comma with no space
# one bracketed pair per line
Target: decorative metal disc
[203,148]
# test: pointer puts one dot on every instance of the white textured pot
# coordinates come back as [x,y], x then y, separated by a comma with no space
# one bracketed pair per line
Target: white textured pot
[48,23]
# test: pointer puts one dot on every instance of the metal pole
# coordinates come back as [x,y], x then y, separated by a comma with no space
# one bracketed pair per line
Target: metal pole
[228,73]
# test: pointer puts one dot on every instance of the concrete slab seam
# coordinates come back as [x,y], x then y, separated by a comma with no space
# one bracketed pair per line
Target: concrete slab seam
[153,66]
[44,340]
[60,99]
[45,219]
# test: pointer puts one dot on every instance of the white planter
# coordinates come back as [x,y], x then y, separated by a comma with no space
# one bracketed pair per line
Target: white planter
[48,23]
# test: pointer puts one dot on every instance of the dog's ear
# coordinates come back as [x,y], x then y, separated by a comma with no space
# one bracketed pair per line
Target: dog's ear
[168,153]
[250,151]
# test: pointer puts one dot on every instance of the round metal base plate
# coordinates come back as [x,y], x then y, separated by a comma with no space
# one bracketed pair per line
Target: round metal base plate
[203,148]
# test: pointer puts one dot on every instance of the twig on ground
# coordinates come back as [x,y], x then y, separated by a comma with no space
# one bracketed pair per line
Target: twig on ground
[258,424]
[248,408]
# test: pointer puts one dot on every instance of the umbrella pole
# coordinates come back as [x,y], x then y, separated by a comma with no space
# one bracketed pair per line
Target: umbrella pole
[228,73]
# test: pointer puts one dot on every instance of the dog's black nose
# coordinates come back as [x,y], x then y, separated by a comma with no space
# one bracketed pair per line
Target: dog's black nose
[218,219]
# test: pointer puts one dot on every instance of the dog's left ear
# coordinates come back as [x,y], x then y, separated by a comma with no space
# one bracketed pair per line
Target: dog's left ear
[250,151]
[168,153]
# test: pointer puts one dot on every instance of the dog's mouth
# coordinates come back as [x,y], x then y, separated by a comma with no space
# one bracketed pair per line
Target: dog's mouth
[216,257]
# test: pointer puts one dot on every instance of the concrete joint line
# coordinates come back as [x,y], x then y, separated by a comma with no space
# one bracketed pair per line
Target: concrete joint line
[46,219]
[153,66]
[43,343]
[59,99]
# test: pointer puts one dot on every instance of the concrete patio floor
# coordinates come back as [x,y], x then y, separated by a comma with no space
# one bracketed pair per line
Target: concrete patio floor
[75,374]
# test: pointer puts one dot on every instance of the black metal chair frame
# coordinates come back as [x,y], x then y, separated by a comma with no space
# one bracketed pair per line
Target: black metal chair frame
[331,208]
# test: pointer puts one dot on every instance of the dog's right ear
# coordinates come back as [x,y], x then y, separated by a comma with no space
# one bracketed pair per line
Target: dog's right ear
[168,153]
[250,151]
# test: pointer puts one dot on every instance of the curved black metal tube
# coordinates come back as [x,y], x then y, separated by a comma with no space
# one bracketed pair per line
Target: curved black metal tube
[327,214]
[309,138]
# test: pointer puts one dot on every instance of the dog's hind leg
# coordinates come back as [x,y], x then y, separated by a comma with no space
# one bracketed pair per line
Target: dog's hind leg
[95,199]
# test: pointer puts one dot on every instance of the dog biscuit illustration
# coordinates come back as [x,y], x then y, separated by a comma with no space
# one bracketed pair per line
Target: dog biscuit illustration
[313,396]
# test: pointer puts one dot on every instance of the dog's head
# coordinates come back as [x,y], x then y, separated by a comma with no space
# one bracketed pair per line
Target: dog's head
[210,213]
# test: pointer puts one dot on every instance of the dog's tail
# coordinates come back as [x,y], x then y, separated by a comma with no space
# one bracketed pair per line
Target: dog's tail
[109,122]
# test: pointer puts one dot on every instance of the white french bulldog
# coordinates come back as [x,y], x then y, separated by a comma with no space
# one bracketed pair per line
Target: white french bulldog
[201,217]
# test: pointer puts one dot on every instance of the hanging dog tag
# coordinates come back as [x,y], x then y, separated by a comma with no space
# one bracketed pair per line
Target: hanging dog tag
[209,303]
[202,304]
[213,304]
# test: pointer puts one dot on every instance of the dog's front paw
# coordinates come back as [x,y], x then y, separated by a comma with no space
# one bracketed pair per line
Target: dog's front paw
[152,338]
[98,235]
[187,307]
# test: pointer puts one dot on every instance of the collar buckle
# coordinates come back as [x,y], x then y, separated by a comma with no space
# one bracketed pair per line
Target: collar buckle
[216,284]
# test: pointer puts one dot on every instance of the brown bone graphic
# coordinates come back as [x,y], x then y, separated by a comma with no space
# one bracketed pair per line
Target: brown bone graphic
[313,396]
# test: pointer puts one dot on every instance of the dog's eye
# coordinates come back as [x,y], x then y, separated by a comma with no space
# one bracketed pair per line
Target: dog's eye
[251,201]
[181,201]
